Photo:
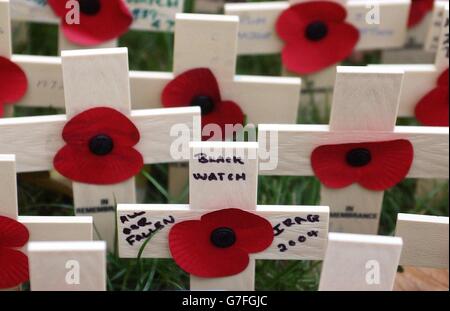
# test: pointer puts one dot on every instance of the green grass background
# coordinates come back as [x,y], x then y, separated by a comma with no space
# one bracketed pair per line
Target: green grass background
[154,51]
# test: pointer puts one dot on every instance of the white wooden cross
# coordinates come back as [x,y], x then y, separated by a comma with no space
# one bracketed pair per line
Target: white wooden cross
[357,262]
[94,78]
[425,240]
[41,228]
[297,235]
[67,266]
[364,110]
[421,79]
[148,16]
[382,25]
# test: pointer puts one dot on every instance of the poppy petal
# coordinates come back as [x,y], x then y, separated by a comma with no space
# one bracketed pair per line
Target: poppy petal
[291,24]
[79,164]
[12,233]
[226,112]
[190,246]
[433,108]
[13,82]
[305,57]
[418,10]
[390,163]
[113,20]
[254,233]
[101,120]
[13,268]
[195,82]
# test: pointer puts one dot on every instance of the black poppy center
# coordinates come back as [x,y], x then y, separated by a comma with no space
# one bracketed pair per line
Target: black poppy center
[358,157]
[316,31]
[205,103]
[90,7]
[223,237]
[101,145]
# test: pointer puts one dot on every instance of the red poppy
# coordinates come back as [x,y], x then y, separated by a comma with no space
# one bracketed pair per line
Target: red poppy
[316,36]
[99,148]
[419,9]
[13,263]
[432,109]
[199,87]
[13,83]
[375,165]
[219,244]
[100,20]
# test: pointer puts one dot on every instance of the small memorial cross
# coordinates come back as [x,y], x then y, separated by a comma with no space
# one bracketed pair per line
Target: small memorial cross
[218,236]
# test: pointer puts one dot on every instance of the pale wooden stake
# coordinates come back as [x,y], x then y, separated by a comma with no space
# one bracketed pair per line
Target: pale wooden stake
[356,262]
[207,196]
[425,240]
[41,228]
[95,78]
[67,266]
[148,15]
[364,110]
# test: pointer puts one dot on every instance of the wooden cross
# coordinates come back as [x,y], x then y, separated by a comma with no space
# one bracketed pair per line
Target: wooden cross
[421,41]
[200,41]
[94,78]
[257,33]
[364,109]
[67,266]
[41,228]
[300,231]
[356,262]
[5,39]
[156,16]
[425,240]
[421,79]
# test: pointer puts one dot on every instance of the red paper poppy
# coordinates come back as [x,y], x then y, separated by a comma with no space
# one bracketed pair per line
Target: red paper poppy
[419,9]
[99,148]
[432,109]
[13,83]
[375,166]
[13,263]
[199,87]
[100,20]
[316,36]
[219,244]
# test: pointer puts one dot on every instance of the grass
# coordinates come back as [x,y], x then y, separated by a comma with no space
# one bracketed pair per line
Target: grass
[153,51]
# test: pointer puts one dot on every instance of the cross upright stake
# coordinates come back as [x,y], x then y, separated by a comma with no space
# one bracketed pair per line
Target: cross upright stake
[224,175]
[95,78]
[364,110]
[41,228]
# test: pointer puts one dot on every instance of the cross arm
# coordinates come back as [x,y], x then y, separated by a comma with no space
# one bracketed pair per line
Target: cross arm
[160,218]
[295,144]
[37,139]
[425,240]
